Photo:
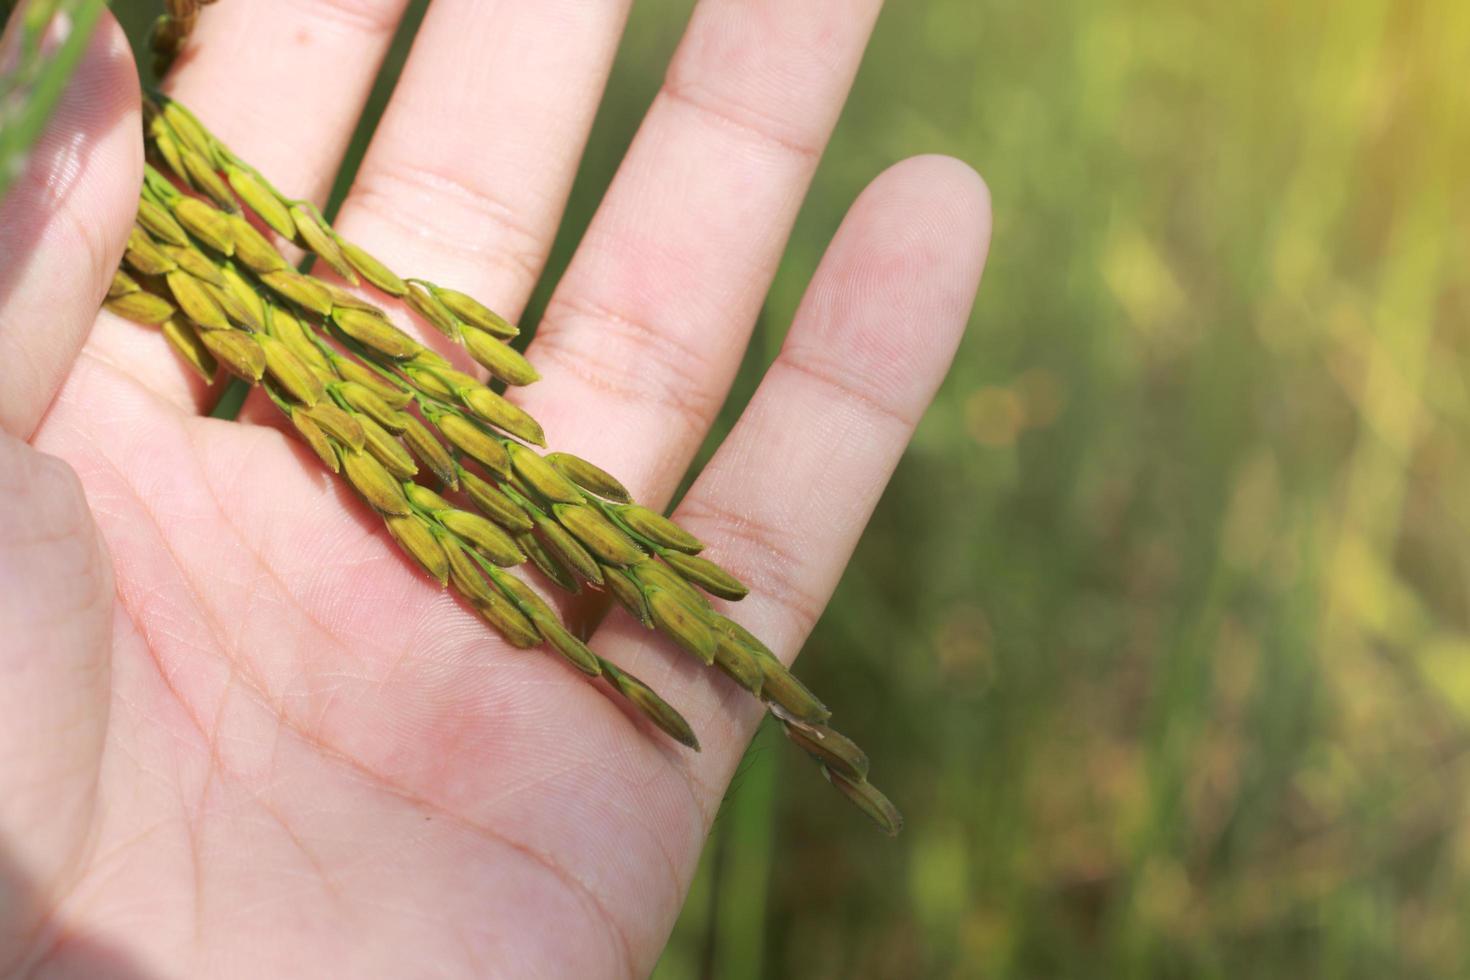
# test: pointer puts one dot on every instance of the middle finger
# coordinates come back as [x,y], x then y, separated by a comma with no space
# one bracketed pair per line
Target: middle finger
[642,337]
[468,173]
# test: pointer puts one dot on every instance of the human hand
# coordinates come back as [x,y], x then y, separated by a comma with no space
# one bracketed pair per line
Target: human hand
[275,748]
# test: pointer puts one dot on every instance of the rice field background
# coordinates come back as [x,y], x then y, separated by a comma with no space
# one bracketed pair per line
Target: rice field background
[1161,636]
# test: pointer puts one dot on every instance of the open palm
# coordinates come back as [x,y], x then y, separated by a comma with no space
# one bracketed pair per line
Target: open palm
[239,733]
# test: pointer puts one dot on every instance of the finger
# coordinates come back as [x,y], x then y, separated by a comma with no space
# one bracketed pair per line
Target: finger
[649,322]
[283,84]
[62,228]
[55,620]
[785,498]
[471,166]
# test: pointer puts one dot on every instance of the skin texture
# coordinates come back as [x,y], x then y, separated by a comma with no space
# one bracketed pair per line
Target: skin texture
[239,734]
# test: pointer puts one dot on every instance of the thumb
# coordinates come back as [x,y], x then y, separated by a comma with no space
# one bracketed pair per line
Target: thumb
[62,228]
[56,601]
[63,225]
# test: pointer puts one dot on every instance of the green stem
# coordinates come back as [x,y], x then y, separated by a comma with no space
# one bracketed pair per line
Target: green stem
[231,400]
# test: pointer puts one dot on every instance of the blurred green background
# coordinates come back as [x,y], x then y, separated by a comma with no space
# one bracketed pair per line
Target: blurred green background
[1161,635]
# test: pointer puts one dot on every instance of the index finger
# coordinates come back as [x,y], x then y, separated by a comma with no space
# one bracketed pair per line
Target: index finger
[283,84]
